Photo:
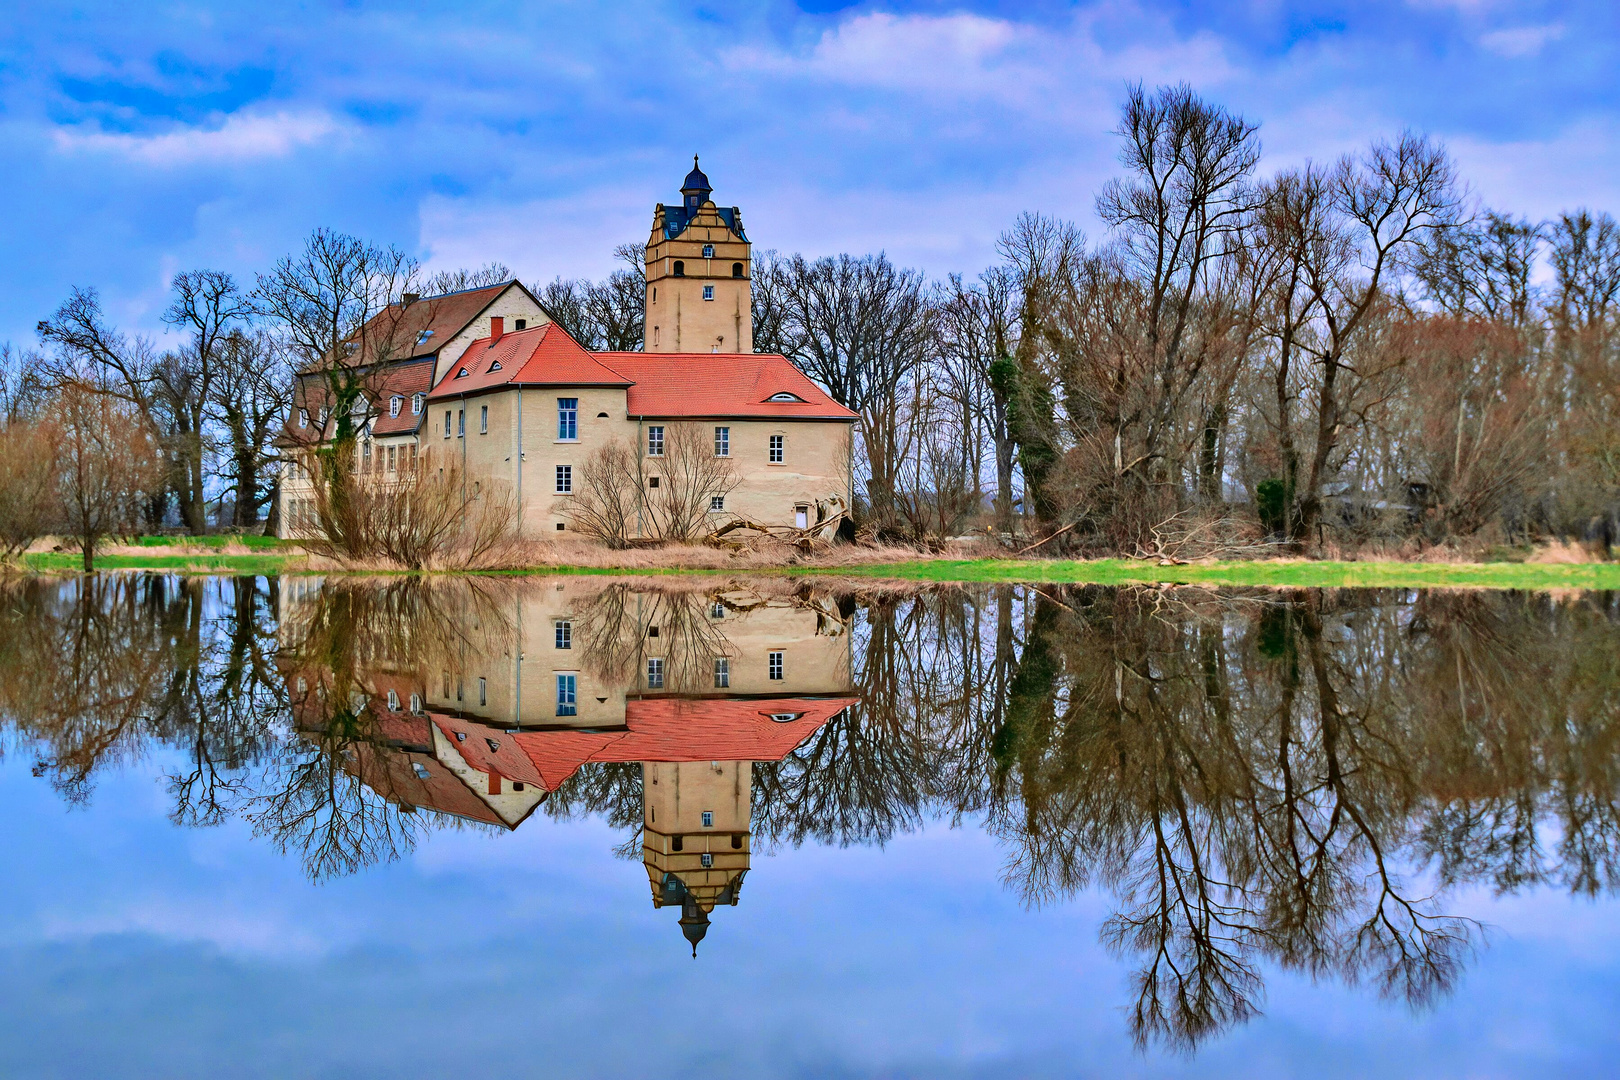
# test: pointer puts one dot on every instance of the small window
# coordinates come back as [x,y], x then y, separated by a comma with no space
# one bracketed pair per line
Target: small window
[303,418]
[680,268]
[736,840]
[483,419]
[785,717]
[483,691]
[655,441]
[736,269]
[708,292]
[784,396]
[395,403]
[722,442]
[393,701]
[416,703]
[652,481]
[566,705]
[716,503]
[708,819]
[776,449]
[423,336]
[365,456]
[517,785]
[717,610]
[461,423]
[722,673]
[461,736]
[420,770]
[416,404]
[447,423]
[459,686]
[463,373]
[520,324]
[565,480]
[393,454]
[675,843]
[776,666]
[446,684]
[708,251]
[706,859]
[652,631]
[567,418]
[655,673]
[565,634]
[494,365]
[561,526]
[323,416]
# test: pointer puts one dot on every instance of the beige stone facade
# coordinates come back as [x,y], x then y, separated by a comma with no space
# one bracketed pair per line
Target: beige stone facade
[698,270]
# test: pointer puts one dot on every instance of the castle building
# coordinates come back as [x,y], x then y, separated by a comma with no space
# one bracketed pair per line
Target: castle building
[486,382]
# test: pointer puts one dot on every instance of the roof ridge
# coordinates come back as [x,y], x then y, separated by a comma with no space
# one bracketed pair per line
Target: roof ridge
[471,288]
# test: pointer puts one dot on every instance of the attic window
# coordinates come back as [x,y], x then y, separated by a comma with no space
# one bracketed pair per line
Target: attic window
[416,404]
[462,374]
[520,324]
[423,336]
[785,396]
[785,717]
[495,366]
[395,403]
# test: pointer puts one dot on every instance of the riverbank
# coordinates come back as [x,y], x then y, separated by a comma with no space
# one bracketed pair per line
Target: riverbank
[270,558]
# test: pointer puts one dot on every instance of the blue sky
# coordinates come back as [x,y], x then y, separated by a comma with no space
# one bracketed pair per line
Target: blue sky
[141,139]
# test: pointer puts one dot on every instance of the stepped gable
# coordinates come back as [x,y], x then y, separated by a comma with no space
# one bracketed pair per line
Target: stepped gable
[539,356]
[721,384]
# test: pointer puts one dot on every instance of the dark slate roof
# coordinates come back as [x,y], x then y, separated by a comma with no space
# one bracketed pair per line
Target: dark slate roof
[676,219]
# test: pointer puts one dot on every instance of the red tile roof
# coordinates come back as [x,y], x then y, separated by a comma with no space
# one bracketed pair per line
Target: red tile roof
[541,356]
[679,729]
[721,384]
[396,332]
[402,380]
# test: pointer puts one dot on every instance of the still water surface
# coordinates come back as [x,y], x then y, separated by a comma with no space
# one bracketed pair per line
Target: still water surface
[569,827]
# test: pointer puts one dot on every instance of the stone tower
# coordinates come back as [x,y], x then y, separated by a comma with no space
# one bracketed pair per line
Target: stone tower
[694,837]
[697,275]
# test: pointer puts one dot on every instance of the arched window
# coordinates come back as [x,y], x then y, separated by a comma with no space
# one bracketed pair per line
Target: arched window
[416,404]
[395,403]
[680,268]
[736,269]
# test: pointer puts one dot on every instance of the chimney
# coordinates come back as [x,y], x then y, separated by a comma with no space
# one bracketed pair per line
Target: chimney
[497,328]
[411,298]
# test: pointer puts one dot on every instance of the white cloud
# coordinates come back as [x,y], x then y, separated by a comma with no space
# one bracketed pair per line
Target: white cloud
[1537,178]
[1519,41]
[241,137]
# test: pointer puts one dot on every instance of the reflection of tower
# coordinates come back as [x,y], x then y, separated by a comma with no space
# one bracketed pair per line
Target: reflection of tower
[695,836]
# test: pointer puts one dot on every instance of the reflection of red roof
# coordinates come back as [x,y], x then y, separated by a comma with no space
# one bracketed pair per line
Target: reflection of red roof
[472,741]
[392,774]
[721,384]
[677,729]
[541,356]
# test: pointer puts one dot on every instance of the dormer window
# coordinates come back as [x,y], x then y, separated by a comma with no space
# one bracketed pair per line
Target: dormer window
[783,395]
[303,418]
[423,336]
[323,416]
[416,404]
[708,251]
[680,268]
[495,365]
[395,403]
[462,374]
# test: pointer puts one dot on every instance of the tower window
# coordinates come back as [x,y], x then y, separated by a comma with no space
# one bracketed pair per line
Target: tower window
[567,418]
[708,251]
[675,843]
[708,292]
[565,634]
[565,480]
[777,450]
[708,819]
[680,268]
[776,666]
[722,673]
[736,269]
[655,441]
[722,442]
[566,705]
[655,673]
[706,860]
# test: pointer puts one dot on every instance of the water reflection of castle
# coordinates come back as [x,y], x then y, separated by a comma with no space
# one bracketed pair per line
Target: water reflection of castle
[695,687]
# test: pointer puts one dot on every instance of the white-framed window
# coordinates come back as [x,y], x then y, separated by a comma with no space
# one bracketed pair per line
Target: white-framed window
[447,423]
[722,673]
[708,251]
[716,503]
[565,633]
[483,691]
[565,480]
[423,336]
[420,770]
[483,419]
[461,423]
[303,418]
[323,416]
[717,610]
[365,456]
[568,418]
[655,673]
[708,819]
[708,292]
[393,455]
[722,442]
[655,440]
[416,403]
[706,860]
[778,448]
[775,666]
[395,403]
[566,689]
[416,703]
[393,701]
[784,396]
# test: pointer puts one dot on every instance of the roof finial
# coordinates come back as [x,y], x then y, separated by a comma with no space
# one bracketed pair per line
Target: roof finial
[694,161]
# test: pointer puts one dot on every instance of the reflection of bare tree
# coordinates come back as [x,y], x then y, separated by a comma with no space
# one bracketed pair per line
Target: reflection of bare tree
[614,630]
